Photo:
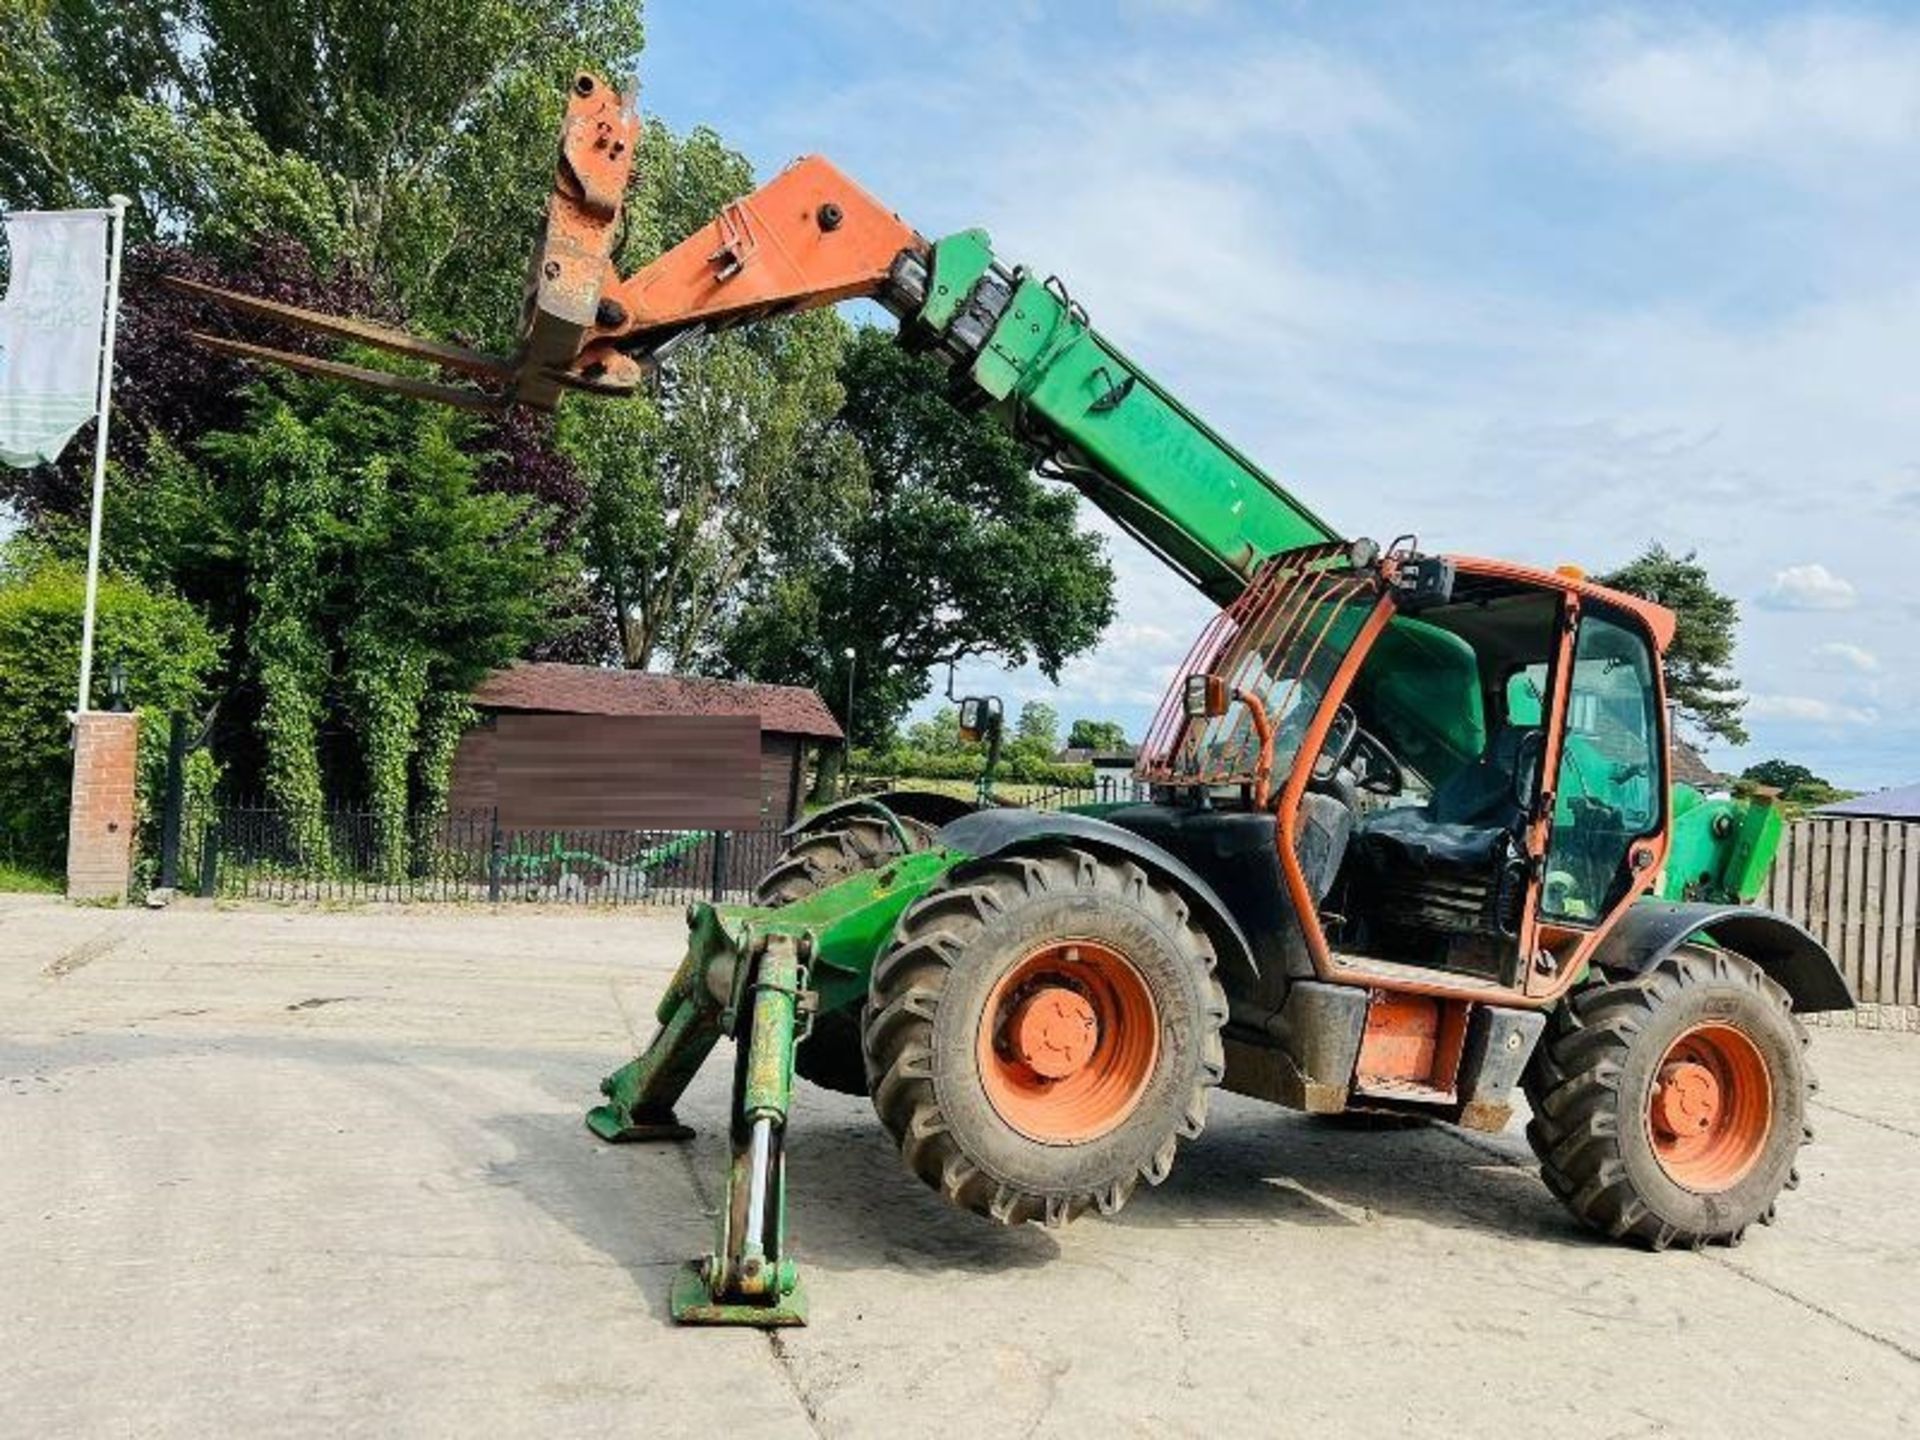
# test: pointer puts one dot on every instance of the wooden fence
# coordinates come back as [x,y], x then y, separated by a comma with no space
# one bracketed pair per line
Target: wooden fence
[1856,885]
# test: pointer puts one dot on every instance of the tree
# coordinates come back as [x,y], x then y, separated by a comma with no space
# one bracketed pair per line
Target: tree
[410,137]
[1780,774]
[381,584]
[1699,681]
[938,735]
[686,486]
[959,552]
[370,558]
[1100,736]
[1038,727]
[689,491]
[1800,789]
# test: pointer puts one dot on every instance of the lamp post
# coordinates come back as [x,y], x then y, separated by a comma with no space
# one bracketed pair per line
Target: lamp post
[846,739]
[117,687]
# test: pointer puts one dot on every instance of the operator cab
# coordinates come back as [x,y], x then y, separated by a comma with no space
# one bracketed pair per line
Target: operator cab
[1486,776]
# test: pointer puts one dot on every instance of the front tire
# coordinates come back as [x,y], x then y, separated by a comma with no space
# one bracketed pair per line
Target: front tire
[830,1057]
[1670,1109]
[1043,1032]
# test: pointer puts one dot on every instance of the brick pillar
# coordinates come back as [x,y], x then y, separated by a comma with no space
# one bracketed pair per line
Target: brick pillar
[100,820]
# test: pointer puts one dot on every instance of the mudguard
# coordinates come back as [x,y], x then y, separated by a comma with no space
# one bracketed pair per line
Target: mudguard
[986,833]
[1654,929]
[927,805]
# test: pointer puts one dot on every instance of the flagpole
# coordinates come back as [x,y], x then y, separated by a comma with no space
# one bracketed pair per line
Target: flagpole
[117,224]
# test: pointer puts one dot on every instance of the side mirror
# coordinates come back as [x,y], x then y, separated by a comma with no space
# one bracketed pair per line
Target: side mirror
[1205,696]
[978,716]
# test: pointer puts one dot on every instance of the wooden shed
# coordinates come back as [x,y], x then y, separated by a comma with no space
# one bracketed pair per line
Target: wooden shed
[574,747]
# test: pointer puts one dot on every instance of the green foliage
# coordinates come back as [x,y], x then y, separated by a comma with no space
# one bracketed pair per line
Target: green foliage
[688,494]
[414,138]
[939,735]
[743,520]
[959,552]
[1800,789]
[680,184]
[168,652]
[1099,736]
[686,488]
[1780,774]
[384,584]
[206,172]
[27,879]
[1038,725]
[1699,681]
[902,761]
[932,749]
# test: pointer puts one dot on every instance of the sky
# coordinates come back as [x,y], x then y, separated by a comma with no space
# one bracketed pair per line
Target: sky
[1546,282]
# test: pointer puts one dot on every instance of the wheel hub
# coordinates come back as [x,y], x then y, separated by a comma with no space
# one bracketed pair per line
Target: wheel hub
[1055,1032]
[1709,1110]
[1069,1038]
[1686,1099]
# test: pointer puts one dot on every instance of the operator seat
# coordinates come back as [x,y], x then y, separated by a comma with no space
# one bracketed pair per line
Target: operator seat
[1465,823]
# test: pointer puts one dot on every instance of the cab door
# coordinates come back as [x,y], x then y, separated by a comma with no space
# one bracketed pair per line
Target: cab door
[1610,787]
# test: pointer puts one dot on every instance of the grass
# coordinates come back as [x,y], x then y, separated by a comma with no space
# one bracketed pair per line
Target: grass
[20,879]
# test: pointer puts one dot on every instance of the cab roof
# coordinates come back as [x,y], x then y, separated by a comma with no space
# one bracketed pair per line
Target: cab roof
[1659,620]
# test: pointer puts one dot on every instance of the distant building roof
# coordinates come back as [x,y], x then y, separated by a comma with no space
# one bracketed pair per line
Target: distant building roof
[1088,755]
[585,690]
[1690,769]
[1902,802]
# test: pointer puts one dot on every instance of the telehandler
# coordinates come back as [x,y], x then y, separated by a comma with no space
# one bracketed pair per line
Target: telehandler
[1412,840]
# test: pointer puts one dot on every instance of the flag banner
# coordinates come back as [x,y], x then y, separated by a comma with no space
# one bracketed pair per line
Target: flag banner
[50,331]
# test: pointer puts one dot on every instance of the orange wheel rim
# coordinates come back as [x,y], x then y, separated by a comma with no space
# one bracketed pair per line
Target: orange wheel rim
[1068,1041]
[1710,1110]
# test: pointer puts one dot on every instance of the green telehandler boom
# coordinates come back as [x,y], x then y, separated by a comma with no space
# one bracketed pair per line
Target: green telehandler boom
[1405,840]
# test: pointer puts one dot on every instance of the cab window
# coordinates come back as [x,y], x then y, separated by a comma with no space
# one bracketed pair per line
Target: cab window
[1608,793]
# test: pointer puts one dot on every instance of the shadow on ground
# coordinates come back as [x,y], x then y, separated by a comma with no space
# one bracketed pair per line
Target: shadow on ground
[854,1207]
[1271,1166]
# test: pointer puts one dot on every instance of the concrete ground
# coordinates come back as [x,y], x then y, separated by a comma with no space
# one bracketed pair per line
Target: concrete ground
[288,1172]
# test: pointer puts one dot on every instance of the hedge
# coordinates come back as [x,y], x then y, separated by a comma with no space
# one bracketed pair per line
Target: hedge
[1017,769]
[164,644]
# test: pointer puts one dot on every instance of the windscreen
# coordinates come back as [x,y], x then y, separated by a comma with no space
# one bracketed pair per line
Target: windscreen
[1280,643]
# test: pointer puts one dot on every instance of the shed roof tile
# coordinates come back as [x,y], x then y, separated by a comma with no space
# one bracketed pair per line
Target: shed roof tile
[587,690]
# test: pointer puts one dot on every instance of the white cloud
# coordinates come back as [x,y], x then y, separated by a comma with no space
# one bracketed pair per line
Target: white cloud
[1791,91]
[1850,656]
[1808,709]
[1808,587]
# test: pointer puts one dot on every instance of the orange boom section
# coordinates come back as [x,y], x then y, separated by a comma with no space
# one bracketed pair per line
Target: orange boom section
[808,237]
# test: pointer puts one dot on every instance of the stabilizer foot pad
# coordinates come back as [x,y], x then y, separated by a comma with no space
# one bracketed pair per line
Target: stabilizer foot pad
[692,1304]
[611,1124]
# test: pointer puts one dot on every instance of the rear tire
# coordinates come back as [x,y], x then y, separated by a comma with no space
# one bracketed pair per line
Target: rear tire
[826,857]
[1669,1109]
[1078,938]
[830,1055]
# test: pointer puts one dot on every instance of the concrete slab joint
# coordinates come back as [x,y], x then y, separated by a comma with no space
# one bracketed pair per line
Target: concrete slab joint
[101,818]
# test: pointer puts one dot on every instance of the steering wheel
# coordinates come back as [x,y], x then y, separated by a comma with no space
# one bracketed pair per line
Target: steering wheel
[1375,770]
[1341,734]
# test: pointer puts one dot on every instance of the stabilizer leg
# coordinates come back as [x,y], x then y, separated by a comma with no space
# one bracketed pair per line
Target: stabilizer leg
[641,1093]
[749,1278]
